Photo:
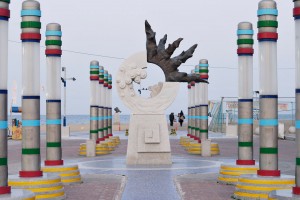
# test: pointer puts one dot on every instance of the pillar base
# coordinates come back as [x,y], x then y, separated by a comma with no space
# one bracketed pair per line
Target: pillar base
[229,174]
[283,195]
[54,162]
[48,186]
[110,135]
[30,174]
[102,148]
[268,172]
[245,162]
[253,187]
[15,194]
[296,190]
[5,190]
[196,148]
[69,174]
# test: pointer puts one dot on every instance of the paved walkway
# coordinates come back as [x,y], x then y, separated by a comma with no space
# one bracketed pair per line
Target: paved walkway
[191,177]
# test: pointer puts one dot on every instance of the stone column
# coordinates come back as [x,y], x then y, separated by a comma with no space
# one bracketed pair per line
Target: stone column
[245,103]
[30,36]
[268,103]
[53,95]
[94,97]
[203,114]
[4,17]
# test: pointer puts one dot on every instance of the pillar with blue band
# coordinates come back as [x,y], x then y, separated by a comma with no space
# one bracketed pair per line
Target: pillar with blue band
[296,14]
[193,109]
[189,111]
[268,102]
[109,104]
[245,90]
[94,95]
[101,105]
[4,18]
[203,100]
[31,159]
[197,105]
[105,105]
[53,96]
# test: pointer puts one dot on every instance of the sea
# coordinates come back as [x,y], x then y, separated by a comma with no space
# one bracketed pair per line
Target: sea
[85,119]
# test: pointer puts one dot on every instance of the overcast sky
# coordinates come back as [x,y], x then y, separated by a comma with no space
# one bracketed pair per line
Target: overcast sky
[115,28]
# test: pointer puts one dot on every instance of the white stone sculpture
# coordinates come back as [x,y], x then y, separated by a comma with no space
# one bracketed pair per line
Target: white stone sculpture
[148,141]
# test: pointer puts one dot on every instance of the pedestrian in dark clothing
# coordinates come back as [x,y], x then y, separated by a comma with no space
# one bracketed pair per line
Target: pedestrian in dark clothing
[181,118]
[171,118]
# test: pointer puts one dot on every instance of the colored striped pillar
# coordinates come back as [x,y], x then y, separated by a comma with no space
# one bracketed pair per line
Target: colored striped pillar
[30,36]
[53,95]
[245,102]
[197,106]
[109,95]
[189,110]
[105,107]
[203,114]
[94,97]
[193,109]
[268,114]
[4,17]
[100,105]
[296,13]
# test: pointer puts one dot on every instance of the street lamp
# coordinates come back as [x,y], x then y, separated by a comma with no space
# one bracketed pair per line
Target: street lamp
[64,80]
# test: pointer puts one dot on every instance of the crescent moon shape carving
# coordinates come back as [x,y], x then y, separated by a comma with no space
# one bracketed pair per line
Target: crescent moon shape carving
[133,69]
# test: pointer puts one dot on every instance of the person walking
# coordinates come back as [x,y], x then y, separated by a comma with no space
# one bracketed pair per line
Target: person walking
[181,118]
[171,118]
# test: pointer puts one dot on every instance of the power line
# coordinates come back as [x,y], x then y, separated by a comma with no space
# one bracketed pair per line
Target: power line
[120,58]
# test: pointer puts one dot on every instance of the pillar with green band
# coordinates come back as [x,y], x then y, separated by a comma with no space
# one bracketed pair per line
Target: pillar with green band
[31,159]
[203,100]
[105,105]
[245,90]
[109,105]
[296,189]
[193,109]
[189,111]
[197,105]
[268,102]
[94,99]
[101,100]
[4,188]
[53,96]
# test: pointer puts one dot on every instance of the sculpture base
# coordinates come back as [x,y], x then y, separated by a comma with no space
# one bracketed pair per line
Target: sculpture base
[148,141]
[17,194]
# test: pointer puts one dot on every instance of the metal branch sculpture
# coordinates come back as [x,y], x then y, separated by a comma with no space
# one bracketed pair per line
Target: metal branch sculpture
[159,55]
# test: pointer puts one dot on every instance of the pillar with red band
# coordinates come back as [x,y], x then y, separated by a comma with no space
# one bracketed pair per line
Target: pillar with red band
[245,89]
[53,95]
[296,14]
[109,105]
[101,105]
[94,99]
[30,36]
[203,100]
[4,16]
[105,105]
[268,124]
[189,110]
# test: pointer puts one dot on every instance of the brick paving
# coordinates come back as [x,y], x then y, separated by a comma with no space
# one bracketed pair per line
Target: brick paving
[190,184]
